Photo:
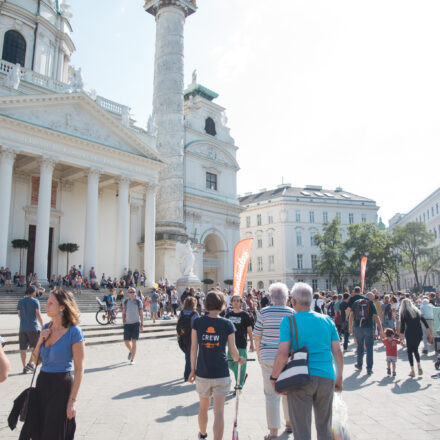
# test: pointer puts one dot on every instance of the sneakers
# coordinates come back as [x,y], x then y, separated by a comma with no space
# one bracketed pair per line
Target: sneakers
[130,356]
[30,367]
[394,374]
[132,362]
[358,367]
[389,371]
[24,370]
[201,437]
[369,372]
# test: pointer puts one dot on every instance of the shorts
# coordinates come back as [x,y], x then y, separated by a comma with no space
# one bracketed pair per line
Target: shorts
[392,359]
[154,307]
[131,331]
[28,339]
[207,387]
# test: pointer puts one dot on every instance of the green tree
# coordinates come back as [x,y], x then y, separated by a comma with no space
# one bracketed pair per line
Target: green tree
[413,240]
[68,248]
[431,263]
[332,260]
[22,245]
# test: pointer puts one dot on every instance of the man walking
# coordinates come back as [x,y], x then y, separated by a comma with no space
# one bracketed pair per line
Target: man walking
[133,319]
[363,315]
[318,333]
[344,319]
[28,309]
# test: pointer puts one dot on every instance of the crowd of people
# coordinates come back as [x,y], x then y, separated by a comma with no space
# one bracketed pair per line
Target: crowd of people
[215,331]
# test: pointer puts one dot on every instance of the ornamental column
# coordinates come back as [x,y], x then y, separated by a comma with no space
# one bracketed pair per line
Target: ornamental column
[123,235]
[168,111]
[47,166]
[91,229]
[150,234]
[7,157]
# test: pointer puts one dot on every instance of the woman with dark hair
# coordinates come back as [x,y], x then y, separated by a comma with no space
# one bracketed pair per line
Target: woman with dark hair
[60,349]
[411,325]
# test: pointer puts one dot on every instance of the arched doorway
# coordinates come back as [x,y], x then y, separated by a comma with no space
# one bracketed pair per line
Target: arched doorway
[213,258]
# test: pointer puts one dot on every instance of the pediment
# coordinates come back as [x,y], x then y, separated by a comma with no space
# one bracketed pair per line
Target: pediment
[212,152]
[76,115]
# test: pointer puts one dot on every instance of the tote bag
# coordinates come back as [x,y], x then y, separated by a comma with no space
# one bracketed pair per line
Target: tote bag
[296,372]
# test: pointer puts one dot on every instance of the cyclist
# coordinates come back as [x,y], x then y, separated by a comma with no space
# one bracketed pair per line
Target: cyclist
[110,301]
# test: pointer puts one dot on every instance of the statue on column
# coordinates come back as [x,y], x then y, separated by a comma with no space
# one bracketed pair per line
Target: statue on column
[13,77]
[194,76]
[76,81]
[185,257]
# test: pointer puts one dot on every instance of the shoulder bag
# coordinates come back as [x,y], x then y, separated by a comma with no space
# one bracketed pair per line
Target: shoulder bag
[296,372]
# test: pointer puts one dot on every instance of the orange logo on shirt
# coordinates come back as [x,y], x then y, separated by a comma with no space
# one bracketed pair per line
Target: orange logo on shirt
[210,330]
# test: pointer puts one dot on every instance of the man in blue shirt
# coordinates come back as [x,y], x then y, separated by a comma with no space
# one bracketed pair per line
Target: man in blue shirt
[318,333]
[28,309]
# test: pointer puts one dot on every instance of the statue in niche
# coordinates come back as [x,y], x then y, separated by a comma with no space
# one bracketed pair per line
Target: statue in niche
[13,77]
[185,257]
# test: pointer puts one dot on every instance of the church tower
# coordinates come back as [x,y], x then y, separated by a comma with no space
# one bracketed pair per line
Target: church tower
[36,34]
[168,117]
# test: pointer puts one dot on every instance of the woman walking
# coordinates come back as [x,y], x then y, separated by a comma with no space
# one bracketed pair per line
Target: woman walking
[61,349]
[411,325]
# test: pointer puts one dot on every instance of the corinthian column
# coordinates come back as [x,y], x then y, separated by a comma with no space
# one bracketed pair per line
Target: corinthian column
[150,234]
[7,157]
[123,237]
[91,230]
[47,166]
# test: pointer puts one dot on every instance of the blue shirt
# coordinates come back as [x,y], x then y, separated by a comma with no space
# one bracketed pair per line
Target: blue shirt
[28,315]
[316,331]
[59,357]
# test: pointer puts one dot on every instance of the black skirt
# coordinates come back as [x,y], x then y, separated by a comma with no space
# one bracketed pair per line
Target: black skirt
[52,392]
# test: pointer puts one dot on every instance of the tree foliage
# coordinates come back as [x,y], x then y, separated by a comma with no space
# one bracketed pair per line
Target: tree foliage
[332,260]
[68,248]
[21,244]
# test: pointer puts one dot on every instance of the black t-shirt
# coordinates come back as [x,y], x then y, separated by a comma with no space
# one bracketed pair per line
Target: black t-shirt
[241,321]
[212,336]
[353,299]
[343,308]
[264,301]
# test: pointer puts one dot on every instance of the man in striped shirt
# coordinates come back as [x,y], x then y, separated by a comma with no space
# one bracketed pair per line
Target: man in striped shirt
[266,338]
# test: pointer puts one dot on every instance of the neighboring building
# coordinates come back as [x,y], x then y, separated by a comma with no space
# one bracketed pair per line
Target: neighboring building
[427,212]
[75,168]
[283,223]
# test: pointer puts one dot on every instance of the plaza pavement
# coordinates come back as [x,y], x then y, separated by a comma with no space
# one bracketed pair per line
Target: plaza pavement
[150,401]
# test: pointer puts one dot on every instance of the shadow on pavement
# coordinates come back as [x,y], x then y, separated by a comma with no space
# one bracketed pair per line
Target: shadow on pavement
[170,388]
[408,386]
[105,368]
[356,381]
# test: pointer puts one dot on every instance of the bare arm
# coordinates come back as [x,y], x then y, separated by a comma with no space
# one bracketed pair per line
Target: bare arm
[194,349]
[5,366]
[281,358]
[379,325]
[339,359]
[141,316]
[251,338]
[257,343]
[350,322]
[233,350]
[78,362]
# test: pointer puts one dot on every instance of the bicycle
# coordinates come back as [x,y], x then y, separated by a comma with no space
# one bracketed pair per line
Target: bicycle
[104,316]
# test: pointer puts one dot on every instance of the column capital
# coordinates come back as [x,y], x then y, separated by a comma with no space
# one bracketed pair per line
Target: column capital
[47,163]
[8,154]
[93,172]
[123,180]
[151,186]
[154,6]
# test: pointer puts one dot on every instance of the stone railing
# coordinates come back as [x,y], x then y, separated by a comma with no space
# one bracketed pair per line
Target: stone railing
[112,106]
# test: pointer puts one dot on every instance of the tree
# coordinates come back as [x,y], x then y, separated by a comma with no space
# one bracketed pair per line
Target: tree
[229,282]
[430,263]
[332,260]
[413,240]
[208,281]
[69,248]
[22,245]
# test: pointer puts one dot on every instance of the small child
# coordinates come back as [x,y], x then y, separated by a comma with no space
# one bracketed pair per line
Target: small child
[390,343]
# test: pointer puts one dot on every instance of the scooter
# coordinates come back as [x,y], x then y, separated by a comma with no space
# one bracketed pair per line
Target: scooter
[238,390]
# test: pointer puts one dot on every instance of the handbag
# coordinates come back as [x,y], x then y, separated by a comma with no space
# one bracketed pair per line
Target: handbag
[24,408]
[296,372]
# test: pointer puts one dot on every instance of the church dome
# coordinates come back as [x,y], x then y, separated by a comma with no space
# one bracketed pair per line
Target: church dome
[36,34]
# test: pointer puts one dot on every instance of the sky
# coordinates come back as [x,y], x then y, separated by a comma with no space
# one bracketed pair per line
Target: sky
[333,93]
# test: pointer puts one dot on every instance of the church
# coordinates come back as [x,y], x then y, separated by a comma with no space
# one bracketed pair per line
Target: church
[74,168]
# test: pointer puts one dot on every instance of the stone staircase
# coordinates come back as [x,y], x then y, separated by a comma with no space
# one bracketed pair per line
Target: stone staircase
[86,300]
[109,334]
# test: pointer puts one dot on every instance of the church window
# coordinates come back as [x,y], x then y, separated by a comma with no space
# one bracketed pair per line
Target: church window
[211,181]
[210,127]
[14,48]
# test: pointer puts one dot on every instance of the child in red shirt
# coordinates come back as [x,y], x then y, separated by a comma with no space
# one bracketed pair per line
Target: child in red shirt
[390,343]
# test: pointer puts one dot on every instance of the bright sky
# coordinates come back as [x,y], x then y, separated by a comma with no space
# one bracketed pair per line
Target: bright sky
[333,93]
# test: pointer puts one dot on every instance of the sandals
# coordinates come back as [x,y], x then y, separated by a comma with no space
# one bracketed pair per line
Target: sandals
[420,371]
[412,374]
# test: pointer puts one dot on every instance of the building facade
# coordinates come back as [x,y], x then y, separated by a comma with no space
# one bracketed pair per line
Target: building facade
[283,222]
[427,212]
[74,167]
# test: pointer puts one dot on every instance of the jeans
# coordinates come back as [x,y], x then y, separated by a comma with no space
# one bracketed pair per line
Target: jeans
[425,333]
[365,341]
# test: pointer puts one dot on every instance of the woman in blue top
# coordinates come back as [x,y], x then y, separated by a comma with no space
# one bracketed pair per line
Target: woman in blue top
[60,349]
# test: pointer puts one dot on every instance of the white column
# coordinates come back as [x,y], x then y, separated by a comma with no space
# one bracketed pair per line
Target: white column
[91,229]
[150,234]
[123,238]
[47,166]
[7,158]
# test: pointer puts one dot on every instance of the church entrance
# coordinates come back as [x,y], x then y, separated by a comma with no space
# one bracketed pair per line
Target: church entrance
[213,256]
[31,251]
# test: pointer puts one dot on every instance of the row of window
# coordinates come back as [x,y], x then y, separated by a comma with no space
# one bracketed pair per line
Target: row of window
[300,260]
[311,218]
[260,285]
[271,260]
[14,48]
[430,213]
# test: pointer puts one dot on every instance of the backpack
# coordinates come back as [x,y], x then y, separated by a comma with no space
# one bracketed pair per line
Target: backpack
[362,311]
[139,303]
[331,310]
[183,329]
[316,308]
[388,312]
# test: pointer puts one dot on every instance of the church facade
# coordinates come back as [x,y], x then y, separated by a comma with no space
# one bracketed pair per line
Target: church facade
[75,169]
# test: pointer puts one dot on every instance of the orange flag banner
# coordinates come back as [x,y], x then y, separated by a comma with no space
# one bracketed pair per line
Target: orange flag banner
[242,254]
[363,270]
